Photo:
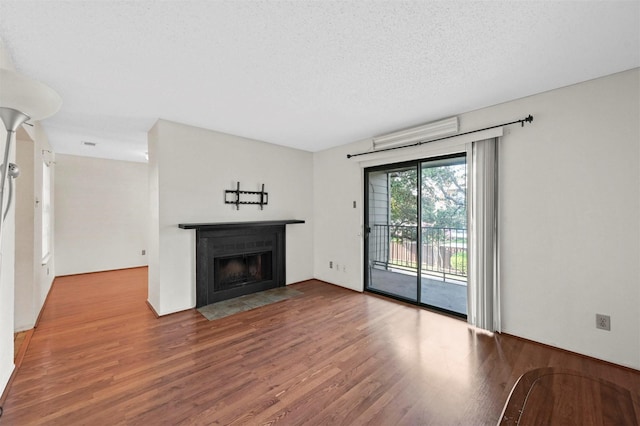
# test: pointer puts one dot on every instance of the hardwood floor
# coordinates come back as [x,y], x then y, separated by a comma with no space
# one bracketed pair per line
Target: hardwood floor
[331,356]
[18,338]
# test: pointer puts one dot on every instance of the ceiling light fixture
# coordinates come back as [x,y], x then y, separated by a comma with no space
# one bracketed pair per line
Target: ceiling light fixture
[434,130]
[21,99]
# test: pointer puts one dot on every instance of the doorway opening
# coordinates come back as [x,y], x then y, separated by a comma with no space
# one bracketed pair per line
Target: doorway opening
[416,239]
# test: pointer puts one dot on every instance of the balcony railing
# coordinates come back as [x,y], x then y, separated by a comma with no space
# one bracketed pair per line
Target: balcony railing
[444,250]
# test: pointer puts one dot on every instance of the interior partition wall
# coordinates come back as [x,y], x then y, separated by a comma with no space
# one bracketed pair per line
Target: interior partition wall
[416,232]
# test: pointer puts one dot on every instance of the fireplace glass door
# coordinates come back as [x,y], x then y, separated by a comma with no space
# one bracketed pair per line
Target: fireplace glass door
[236,271]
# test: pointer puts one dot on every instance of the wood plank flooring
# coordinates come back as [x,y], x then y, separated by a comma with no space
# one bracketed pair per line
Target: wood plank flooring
[331,356]
[18,340]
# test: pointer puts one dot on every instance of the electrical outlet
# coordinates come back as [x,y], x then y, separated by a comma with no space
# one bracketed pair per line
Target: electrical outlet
[144,252]
[330,264]
[603,322]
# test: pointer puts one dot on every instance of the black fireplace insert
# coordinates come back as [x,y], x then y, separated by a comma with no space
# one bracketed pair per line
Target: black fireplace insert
[238,258]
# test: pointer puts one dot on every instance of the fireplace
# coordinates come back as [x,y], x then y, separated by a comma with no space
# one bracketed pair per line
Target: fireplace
[239,270]
[234,259]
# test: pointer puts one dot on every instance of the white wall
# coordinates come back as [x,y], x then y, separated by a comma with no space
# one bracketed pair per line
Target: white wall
[153,229]
[102,214]
[44,269]
[25,219]
[33,275]
[7,277]
[190,168]
[337,183]
[570,203]
[570,218]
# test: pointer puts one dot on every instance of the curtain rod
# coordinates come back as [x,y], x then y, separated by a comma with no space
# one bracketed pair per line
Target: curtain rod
[527,119]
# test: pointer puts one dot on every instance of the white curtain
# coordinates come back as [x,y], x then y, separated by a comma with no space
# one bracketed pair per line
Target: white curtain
[484,286]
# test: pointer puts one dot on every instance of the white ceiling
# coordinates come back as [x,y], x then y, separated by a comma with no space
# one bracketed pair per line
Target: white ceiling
[304,74]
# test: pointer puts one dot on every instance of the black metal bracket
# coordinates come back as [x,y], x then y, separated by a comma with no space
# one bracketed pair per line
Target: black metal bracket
[263,197]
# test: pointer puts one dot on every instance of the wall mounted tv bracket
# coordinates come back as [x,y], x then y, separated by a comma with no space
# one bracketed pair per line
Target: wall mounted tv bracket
[237,197]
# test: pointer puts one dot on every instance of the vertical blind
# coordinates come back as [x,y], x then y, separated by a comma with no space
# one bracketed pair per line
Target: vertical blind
[484,285]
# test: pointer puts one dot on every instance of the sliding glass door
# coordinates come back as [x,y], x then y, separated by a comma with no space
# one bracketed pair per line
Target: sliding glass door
[416,239]
[392,224]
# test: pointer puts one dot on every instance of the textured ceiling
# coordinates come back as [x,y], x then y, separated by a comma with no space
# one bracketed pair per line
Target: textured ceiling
[304,74]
